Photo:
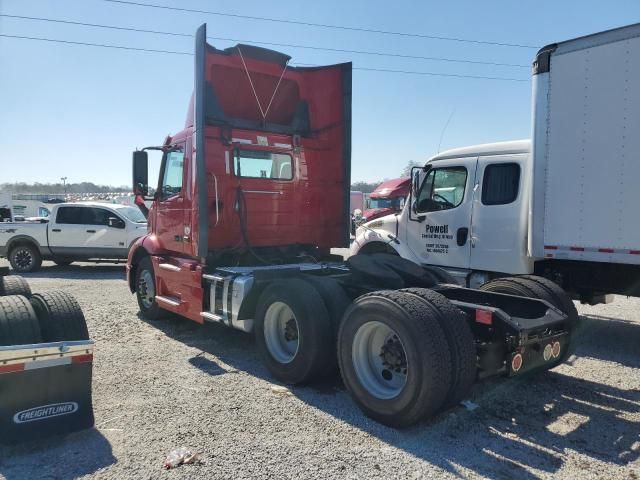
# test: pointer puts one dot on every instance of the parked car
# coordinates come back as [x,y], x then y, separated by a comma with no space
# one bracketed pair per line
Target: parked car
[89,231]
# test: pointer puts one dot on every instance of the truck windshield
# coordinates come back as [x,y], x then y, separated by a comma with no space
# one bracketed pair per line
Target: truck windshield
[132,213]
[395,203]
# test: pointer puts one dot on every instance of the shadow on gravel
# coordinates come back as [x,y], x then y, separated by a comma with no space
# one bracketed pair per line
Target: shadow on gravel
[610,339]
[111,271]
[62,457]
[522,428]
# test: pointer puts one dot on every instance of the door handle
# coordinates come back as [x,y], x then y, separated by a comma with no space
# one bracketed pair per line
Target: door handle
[91,231]
[461,236]
[56,230]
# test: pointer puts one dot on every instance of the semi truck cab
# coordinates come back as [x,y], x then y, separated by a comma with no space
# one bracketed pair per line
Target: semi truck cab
[253,194]
[467,213]
[388,197]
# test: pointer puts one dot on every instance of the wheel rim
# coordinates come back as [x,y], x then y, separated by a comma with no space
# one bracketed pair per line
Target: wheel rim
[23,259]
[146,289]
[379,360]
[281,332]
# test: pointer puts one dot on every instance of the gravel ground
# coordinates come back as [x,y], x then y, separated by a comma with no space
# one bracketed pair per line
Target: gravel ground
[166,384]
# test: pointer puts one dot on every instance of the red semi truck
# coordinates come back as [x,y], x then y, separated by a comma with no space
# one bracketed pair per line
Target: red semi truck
[253,193]
[388,197]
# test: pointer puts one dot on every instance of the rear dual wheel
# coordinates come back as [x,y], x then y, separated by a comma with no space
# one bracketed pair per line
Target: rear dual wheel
[394,357]
[293,331]
[532,286]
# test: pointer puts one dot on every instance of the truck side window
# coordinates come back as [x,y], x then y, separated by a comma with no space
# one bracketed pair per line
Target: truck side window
[71,215]
[98,216]
[500,183]
[172,177]
[442,189]
[261,164]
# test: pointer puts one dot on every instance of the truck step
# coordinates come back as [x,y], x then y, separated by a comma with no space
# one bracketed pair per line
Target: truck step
[212,317]
[173,301]
[170,267]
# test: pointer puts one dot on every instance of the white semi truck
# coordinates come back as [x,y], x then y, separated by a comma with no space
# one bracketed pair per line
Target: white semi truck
[562,205]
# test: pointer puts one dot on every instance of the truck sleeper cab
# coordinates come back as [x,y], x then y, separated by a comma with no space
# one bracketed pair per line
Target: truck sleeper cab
[241,226]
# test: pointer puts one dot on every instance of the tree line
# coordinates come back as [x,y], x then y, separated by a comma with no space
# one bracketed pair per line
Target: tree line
[90,187]
[60,188]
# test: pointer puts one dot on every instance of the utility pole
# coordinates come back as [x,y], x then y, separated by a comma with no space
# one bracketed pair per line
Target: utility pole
[64,183]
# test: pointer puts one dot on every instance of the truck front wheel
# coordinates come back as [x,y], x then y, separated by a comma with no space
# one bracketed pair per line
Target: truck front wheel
[146,290]
[25,258]
[293,331]
[394,358]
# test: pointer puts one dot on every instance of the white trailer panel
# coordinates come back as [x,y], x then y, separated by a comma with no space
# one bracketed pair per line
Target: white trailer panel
[586,150]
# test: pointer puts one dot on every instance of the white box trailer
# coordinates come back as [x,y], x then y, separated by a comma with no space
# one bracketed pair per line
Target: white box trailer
[585,149]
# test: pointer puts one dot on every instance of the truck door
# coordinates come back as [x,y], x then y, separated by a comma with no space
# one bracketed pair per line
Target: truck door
[442,207]
[106,238]
[499,229]
[170,226]
[68,231]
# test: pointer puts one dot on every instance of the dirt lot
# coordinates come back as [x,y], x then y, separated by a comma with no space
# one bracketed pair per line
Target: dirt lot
[161,385]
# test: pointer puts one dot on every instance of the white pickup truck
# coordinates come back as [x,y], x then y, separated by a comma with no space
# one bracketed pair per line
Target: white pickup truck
[88,231]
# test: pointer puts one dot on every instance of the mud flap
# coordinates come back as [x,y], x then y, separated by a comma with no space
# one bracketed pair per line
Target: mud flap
[46,394]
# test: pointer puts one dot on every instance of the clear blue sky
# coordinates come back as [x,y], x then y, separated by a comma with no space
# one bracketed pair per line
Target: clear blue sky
[79,111]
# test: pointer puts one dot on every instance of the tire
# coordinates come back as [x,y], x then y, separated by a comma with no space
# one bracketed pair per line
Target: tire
[63,263]
[298,352]
[335,299]
[417,347]
[14,285]
[60,317]
[532,286]
[460,339]
[18,322]
[25,258]
[145,281]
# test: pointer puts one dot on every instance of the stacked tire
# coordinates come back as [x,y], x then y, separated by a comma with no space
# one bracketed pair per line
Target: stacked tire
[14,285]
[27,318]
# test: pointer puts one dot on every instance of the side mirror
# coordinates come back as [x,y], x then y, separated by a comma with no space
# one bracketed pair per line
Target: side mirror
[140,173]
[415,181]
[413,193]
[115,222]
